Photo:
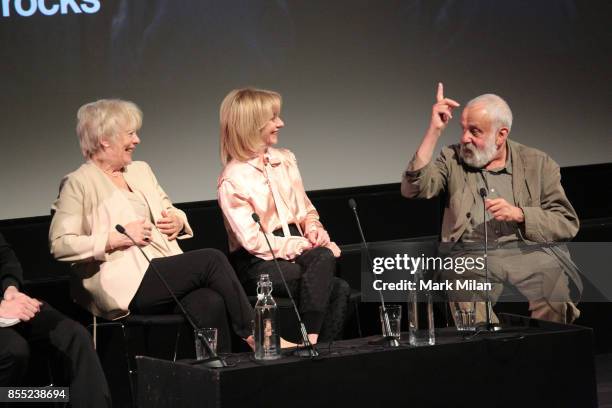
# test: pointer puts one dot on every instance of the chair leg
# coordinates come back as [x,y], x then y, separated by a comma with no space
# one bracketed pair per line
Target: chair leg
[50,374]
[128,359]
[176,342]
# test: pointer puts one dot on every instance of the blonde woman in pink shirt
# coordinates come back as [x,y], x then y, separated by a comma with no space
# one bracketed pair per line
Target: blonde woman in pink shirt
[259,178]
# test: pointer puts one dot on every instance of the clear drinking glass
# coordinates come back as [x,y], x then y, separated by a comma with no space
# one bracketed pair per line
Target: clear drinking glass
[421,327]
[465,316]
[210,333]
[394,312]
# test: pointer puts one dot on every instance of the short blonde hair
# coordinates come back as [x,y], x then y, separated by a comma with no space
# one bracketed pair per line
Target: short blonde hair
[243,114]
[105,118]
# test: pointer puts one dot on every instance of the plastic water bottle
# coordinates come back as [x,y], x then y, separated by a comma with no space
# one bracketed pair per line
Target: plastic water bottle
[267,338]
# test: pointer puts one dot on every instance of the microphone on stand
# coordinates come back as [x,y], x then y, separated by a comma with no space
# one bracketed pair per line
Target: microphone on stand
[213,361]
[389,340]
[308,350]
[489,326]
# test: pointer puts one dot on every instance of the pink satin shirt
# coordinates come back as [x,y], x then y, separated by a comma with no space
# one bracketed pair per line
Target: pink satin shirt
[273,189]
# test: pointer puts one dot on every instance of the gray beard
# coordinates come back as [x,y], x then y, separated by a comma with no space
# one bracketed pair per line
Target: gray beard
[479,158]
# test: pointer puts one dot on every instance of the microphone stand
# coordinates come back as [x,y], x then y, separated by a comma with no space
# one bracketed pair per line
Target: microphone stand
[213,361]
[388,340]
[308,350]
[489,325]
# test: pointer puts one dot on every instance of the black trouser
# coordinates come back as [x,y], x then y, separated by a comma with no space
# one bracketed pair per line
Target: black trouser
[322,298]
[206,285]
[70,349]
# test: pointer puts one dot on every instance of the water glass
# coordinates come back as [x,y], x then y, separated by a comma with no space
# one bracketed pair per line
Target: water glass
[465,316]
[421,328]
[394,314]
[210,334]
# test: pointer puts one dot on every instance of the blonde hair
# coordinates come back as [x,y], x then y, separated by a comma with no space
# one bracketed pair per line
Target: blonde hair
[105,118]
[243,114]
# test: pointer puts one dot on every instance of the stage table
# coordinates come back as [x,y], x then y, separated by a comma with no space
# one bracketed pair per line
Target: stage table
[535,363]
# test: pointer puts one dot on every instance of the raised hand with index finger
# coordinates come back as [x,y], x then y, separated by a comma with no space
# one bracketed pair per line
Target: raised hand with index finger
[441,113]
[442,110]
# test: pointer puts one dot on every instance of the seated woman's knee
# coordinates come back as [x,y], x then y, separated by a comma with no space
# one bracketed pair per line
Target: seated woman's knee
[324,254]
[213,255]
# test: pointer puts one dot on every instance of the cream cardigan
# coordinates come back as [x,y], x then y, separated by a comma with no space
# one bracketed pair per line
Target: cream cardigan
[87,209]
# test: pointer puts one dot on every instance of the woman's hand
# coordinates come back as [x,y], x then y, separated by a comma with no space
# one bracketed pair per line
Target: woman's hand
[139,230]
[301,244]
[318,237]
[170,224]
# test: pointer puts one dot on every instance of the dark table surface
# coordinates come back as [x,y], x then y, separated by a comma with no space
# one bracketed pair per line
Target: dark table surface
[515,328]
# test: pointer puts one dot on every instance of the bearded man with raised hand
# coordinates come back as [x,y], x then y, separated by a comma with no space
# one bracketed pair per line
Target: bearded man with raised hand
[525,204]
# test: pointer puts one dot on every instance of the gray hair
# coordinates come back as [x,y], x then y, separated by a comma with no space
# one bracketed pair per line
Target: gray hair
[496,107]
[105,118]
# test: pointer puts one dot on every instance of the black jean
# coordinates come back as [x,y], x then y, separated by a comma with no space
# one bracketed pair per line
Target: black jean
[69,347]
[322,298]
[207,287]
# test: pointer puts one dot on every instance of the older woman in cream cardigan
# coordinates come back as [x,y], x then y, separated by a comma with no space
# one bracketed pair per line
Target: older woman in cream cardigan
[111,276]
